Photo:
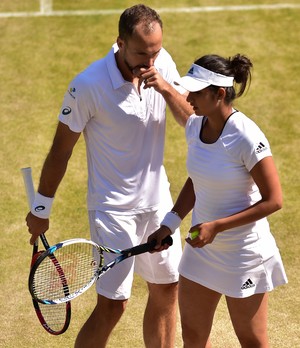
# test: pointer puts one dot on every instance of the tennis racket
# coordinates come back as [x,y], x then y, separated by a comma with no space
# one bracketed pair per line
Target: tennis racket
[83,263]
[54,319]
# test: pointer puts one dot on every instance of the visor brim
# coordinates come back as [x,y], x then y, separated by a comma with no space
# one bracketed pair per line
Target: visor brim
[191,84]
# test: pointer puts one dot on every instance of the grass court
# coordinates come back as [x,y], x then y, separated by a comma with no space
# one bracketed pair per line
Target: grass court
[41,54]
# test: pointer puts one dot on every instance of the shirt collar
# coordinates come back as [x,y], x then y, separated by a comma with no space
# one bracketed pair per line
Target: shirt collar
[115,75]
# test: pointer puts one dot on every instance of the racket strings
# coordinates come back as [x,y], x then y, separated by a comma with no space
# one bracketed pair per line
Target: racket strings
[66,271]
[53,317]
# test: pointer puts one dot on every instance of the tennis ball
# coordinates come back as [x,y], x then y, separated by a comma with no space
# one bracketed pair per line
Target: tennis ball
[194,234]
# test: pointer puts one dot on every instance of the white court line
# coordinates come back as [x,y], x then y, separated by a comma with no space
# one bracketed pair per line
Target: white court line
[50,13]
[46,6]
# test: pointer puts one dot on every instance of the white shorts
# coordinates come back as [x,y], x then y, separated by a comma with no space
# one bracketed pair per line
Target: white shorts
[239,273]
[121,232]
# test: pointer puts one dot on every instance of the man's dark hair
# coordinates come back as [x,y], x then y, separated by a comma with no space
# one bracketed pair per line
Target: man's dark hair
[135,15]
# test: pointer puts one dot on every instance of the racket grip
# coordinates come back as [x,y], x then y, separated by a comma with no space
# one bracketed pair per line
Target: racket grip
[27,177]
[168,240]
[143,248]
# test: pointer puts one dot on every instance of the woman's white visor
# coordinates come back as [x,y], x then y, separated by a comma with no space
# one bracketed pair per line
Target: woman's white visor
[199,78]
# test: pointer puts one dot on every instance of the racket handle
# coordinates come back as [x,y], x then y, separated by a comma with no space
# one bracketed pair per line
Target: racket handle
[27,177]
[143,248]
[30,193]
[168,240]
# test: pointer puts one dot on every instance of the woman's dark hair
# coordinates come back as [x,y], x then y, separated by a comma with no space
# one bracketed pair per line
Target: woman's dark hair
[238,66]
[134,15]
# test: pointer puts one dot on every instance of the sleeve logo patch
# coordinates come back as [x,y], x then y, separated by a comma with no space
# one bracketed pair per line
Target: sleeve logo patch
[260,148]
[71,92]
[67,110]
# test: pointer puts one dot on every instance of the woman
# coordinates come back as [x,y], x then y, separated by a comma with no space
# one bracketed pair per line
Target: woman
[232,187]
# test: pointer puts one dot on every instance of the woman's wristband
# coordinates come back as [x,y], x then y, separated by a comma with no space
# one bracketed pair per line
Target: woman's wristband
[41,206]
[171,220]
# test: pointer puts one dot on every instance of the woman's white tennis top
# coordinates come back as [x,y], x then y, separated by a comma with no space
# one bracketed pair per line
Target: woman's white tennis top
[221,178]
[223,186]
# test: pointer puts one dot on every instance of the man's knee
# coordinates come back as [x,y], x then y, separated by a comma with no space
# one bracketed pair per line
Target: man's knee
[164,292]
[109,308]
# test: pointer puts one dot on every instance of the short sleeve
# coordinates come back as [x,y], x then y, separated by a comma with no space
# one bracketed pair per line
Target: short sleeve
[246,142]
[76,107]
[255,149]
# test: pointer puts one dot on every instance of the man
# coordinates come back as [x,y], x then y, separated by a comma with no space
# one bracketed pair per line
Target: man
[119,104]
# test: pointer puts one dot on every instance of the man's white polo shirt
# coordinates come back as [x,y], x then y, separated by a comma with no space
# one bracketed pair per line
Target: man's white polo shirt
[124,133]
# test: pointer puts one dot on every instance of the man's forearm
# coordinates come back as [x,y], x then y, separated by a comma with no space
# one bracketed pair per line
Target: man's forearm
[52,173]
[178,105]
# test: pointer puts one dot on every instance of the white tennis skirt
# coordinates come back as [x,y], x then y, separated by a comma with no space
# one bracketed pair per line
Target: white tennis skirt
[234,273]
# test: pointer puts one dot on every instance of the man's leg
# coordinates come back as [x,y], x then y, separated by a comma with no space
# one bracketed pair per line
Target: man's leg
[160,316]
[95,332]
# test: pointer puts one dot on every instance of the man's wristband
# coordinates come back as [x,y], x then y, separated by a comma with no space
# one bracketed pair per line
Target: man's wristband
[41,206]
[172,220]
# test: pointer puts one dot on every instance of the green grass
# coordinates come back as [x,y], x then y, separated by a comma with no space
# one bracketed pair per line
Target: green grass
[38,58]
[58,5]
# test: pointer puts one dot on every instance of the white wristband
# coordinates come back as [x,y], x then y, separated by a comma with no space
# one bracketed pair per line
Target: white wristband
[172,220]
[41,206]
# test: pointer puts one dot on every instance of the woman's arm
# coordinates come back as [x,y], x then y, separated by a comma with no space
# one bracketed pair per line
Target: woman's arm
[265,175]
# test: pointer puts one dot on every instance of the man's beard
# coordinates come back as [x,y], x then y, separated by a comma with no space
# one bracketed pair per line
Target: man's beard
[134,69]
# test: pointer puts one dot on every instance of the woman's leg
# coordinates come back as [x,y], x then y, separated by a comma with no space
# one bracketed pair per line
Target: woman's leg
[197,306]
[249,319]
